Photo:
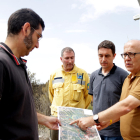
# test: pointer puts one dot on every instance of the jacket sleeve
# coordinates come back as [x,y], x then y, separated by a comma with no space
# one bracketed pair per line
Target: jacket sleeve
[86,95]
[51,91]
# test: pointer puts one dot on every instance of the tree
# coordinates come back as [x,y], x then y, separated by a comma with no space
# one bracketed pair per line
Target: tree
[32,78]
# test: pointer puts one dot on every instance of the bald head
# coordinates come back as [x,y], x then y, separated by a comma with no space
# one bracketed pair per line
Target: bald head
[135,44]
[132,56]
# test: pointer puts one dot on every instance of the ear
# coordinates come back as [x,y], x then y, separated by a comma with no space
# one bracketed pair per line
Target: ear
[114,55]
[26,28]
[61,58]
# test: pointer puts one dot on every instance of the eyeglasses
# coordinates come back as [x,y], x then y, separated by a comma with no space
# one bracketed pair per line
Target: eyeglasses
[39,35]
[130,55]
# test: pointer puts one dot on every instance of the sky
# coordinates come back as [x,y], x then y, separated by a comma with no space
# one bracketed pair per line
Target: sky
[79,24]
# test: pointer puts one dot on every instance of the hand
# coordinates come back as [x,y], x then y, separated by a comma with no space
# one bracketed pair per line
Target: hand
[102,125]
[50,122]
[53,123]
[84,123]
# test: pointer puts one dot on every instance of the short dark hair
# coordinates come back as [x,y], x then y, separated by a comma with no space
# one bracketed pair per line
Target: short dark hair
[66,49]
[107,44]
[20,17]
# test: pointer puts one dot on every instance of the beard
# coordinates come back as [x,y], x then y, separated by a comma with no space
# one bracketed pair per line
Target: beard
[28,41]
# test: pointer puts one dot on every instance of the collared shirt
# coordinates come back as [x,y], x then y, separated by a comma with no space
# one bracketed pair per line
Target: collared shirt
[106,91]
[18,119]
[130,126]
[69,89]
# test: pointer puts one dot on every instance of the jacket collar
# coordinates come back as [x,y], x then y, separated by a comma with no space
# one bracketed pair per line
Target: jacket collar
[74,70]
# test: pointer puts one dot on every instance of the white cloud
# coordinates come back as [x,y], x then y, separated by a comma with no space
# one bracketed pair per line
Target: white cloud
[86,57]
[47,28]
[75,31]
[73,6]
[96,8]
[119,61]
[3,30]
[46,59]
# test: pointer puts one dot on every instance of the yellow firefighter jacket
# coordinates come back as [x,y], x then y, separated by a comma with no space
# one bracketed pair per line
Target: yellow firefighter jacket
[69,89]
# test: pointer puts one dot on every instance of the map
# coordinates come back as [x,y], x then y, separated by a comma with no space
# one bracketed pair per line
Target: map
[73,132]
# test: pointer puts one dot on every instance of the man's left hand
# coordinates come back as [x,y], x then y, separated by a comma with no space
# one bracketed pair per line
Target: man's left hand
[52,123]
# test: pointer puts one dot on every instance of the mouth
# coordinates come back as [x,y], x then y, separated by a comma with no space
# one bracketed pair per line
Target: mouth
[128,64]
[69,65]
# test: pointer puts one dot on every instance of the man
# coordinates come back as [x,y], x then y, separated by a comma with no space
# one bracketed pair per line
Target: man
[18,118]
[105,87]
[68,86]
[128,109]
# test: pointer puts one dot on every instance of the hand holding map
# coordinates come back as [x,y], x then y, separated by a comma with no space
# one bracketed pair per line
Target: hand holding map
[72,132]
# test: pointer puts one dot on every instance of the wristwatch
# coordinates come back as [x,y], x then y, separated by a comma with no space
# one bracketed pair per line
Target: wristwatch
[96,118]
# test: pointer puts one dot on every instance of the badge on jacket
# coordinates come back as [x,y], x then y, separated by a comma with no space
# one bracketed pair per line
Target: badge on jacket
[80,75]
[88,86]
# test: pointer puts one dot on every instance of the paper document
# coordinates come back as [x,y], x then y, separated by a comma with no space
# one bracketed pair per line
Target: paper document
[73,132]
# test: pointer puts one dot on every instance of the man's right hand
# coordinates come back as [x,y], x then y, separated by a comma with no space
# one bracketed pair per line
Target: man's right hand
[84,123]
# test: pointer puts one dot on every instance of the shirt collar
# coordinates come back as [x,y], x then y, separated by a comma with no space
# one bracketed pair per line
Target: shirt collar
[111,71]
[136,75]
[9,51]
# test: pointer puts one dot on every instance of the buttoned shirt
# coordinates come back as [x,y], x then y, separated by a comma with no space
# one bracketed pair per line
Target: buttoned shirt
[69,89]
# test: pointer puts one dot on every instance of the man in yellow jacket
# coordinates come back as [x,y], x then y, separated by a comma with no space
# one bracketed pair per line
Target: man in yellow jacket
[68,86]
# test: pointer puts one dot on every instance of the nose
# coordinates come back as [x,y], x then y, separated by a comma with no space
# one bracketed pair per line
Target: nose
[103,58]
[70,60]
[127,57]
[37,45]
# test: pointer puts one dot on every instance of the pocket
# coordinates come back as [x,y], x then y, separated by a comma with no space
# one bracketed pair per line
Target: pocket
[58,94]
[77,92]
[58,89]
